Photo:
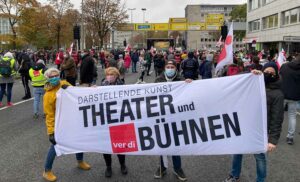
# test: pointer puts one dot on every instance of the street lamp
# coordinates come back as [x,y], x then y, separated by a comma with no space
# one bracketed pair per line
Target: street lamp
[144,11]
[131,11]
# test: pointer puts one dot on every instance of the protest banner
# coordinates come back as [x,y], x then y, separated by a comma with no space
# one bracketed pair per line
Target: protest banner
[208,117]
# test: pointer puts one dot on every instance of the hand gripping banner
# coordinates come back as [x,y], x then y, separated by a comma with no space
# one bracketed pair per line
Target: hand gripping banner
[207,117]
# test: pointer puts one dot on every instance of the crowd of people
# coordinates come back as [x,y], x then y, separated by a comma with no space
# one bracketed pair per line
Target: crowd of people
[80,69]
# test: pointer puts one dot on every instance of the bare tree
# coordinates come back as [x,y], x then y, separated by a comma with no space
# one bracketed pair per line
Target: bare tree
[60,7]
[104,15]
[12,10]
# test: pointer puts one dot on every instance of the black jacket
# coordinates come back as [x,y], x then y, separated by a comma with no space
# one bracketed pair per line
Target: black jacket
[87,70]
[275,111]
[162,78]
[25,66]
[190,68]
[290,73]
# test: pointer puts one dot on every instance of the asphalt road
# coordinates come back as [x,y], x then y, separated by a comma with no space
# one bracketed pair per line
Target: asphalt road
[24,145]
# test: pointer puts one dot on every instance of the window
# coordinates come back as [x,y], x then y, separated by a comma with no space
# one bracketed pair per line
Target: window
[202,40]
[294,15]
[264,2]
[270,21]
[286,19]
[254,25]
[225,8]
[205,40]
[202,14]
[291,16]
[254,4]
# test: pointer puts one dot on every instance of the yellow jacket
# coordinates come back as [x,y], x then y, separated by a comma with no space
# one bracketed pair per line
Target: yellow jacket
[50,104]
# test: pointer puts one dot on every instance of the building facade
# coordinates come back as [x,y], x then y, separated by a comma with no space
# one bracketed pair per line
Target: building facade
[208,39]
[274,24]
[4,26]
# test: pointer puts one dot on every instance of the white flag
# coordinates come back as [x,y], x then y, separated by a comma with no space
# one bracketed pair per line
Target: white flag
[226,56]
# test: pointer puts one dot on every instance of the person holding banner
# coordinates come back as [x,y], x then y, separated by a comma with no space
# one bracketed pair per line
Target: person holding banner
[275,113]
[170,74]
[112,77]
[52,85]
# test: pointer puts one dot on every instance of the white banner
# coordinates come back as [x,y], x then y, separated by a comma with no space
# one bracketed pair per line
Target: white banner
[208,117]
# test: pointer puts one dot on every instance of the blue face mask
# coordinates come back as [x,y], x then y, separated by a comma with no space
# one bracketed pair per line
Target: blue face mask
[170,73]
[54,81]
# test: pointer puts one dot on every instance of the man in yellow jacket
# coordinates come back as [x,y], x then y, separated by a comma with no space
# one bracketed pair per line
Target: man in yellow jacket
[51,87]
[38,80]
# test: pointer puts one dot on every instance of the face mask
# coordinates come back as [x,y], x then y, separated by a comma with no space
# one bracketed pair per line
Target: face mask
[269,78]
[170,73]
[54,81]
[111,78]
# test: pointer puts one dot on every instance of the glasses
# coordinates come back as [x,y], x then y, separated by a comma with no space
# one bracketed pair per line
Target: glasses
[53,76]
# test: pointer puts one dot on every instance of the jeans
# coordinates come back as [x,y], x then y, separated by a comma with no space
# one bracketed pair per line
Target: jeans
[148,68]
[176,162]
[292,113]
[51,156]
[107,158]
[8,92]
[25,80]
[261,166]
[133,68]
[142,75]
[38,93]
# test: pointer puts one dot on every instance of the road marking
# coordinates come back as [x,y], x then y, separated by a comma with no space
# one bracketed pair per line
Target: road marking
[15,104]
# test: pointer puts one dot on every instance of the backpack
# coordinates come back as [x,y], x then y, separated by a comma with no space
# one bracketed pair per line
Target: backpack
[189,68]
[5,68]
[233,70]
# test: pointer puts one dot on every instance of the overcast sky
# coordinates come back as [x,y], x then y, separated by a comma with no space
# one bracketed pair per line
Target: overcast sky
[161,10]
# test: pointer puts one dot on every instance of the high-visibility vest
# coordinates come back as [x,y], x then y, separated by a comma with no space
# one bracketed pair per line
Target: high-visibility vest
[37,78]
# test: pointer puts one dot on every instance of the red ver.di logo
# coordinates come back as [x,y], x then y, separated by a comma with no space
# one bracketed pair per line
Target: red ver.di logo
[123,138]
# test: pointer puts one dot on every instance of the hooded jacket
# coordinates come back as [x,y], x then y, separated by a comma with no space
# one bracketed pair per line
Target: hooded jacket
[69,67]
[290,73]
[50,104]
[275,111]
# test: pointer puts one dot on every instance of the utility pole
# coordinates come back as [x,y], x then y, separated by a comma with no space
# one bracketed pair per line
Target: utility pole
[82,42]
[131,10]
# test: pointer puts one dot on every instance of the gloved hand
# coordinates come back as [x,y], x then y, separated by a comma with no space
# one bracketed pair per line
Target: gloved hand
[52,139]
[64,87]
